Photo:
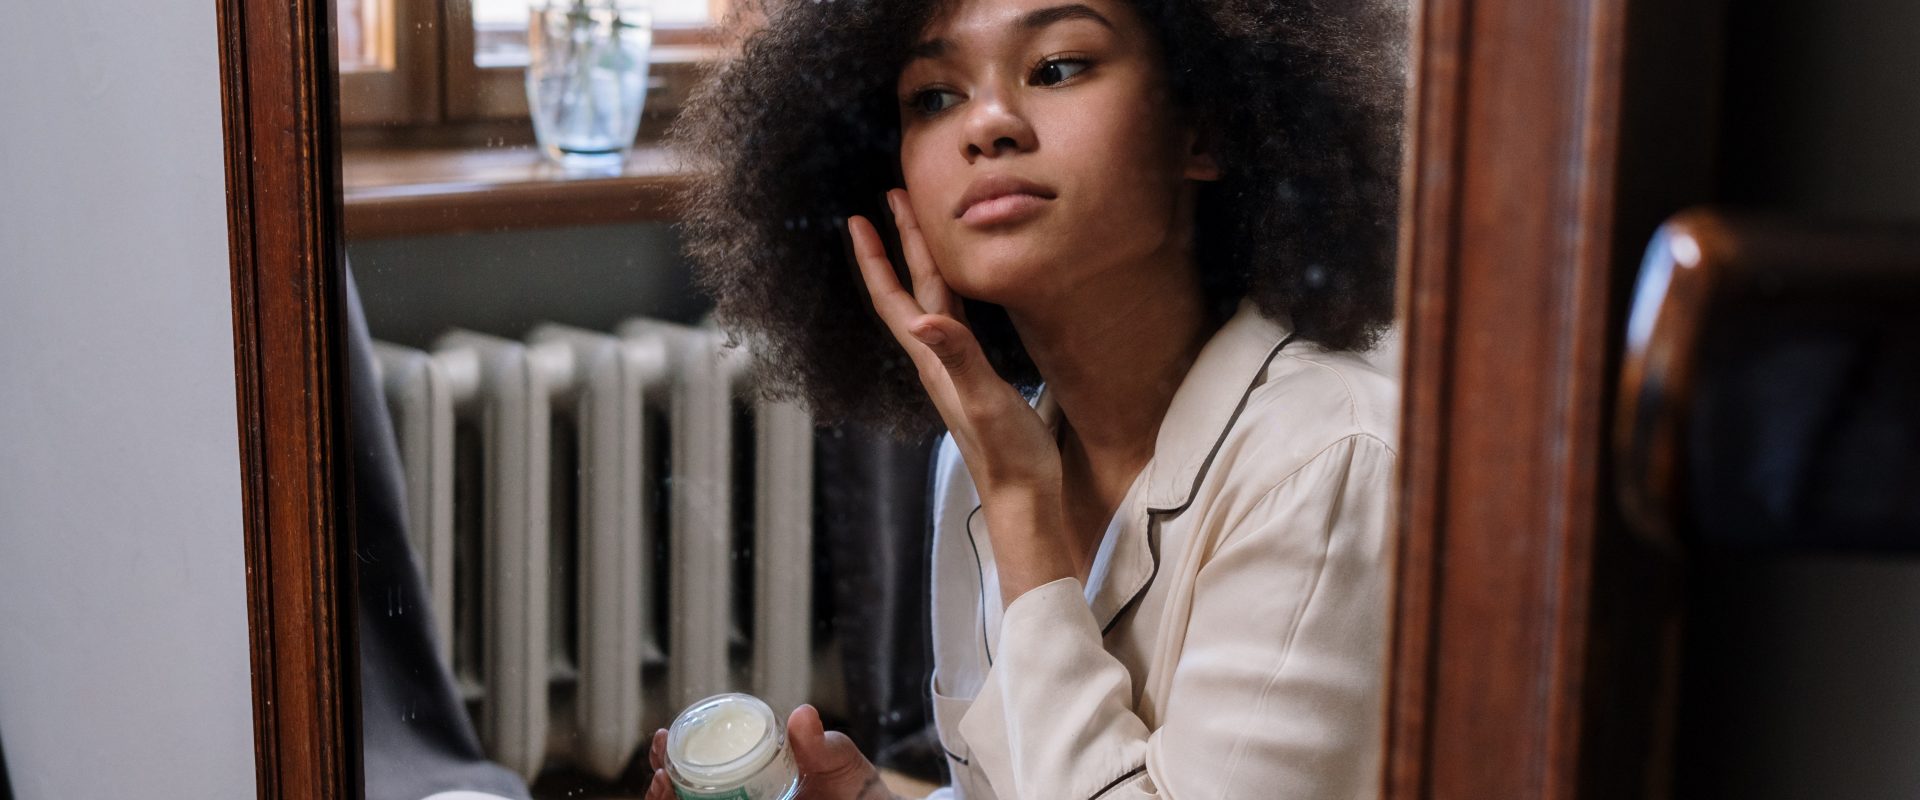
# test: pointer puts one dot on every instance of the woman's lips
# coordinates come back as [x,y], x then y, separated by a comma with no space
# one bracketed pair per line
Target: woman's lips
[1001,199]
[1004,209]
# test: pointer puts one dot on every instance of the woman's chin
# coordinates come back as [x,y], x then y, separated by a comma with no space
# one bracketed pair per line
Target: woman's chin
[999,284]
[1002,274]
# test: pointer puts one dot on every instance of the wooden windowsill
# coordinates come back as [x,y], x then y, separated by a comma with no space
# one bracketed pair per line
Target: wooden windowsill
[396,191]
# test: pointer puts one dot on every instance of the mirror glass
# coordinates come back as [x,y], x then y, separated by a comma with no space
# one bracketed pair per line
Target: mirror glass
[640,416]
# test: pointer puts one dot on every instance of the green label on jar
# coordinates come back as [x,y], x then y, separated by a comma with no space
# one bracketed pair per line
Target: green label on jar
[776,780]
[730,794]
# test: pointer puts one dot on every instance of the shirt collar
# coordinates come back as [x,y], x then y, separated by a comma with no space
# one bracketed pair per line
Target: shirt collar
[1198,419]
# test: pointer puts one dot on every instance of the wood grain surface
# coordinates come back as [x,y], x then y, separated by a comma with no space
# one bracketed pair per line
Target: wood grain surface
[398,191]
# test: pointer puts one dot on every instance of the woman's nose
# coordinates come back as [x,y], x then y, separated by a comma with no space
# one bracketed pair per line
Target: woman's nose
[995,128]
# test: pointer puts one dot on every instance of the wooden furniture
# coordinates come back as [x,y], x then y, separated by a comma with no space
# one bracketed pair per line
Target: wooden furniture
[1548,140]
[1717,289]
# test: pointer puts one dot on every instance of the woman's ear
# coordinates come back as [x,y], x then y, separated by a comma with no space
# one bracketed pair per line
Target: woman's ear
[1200,164]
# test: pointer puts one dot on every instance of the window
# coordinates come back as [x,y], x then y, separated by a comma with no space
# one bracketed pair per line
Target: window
[426,62]
[500,27]
[435,135]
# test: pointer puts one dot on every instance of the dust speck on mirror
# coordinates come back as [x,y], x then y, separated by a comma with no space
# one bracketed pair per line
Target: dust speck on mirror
[749,394]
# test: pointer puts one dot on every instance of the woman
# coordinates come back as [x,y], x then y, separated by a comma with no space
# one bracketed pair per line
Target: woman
[1169,224]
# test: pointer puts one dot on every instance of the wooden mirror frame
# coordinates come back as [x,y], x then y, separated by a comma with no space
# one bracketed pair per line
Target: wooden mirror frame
[1504,251]
[279,112]
[1514,234]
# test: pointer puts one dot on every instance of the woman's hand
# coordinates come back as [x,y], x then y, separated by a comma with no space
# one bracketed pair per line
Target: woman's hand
[1000,436]
[831,767]
[1009,452]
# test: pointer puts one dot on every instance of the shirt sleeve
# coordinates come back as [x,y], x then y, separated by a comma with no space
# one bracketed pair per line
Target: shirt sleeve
[1277,685]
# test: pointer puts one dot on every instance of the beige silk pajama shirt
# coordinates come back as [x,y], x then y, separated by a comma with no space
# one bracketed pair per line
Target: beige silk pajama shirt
[1229,643]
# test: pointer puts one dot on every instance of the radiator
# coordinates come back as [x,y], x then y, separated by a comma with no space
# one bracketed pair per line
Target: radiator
[547,481]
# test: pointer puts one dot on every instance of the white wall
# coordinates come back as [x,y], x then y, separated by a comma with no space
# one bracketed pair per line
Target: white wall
[506,282]
[123,641]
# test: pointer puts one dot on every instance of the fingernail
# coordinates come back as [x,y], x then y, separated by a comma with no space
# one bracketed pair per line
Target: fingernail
[929,336]
[892,204]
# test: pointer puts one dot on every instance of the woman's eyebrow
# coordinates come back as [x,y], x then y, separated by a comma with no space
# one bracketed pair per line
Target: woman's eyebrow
[1034,20]
[1052,14]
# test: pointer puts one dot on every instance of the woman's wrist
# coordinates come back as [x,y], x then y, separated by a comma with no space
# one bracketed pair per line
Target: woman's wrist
[1030,549]
[1015,477]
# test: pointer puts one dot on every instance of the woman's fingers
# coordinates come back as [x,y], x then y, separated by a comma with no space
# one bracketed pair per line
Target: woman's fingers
[945,337]
[959,354]
[897,308]
[953,367]
[928,286]
[819,752]
[807,736]
[831,767]
[659,788]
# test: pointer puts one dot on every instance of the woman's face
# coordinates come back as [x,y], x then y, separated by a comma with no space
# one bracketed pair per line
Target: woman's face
[1041,148]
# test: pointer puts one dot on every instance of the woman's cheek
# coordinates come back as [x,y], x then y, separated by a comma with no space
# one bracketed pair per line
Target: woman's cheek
[951,259]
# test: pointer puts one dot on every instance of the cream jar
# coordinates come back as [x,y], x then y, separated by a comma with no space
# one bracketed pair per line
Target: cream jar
[730,747]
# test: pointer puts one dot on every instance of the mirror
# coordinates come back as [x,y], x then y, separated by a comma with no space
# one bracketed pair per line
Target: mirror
[586,500]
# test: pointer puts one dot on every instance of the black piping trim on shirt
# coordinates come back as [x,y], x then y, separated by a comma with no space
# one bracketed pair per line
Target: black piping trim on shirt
[1131,774]
[1153,529]
[1153,549]
[980,572]
[955,756]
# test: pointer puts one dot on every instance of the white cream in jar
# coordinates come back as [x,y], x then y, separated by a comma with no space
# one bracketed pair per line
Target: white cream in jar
[730,747]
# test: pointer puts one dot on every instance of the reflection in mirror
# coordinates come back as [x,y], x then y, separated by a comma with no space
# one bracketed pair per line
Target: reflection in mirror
[672,421]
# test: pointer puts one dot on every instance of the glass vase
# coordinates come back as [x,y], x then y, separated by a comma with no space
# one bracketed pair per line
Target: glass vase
[587,79]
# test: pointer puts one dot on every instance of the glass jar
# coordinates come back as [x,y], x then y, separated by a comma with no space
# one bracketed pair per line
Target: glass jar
[730,747]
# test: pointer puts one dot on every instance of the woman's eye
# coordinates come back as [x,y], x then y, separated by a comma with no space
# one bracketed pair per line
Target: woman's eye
[933,101]
[1059,69]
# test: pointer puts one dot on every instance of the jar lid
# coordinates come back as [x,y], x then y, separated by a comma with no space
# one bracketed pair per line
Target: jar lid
[722,740]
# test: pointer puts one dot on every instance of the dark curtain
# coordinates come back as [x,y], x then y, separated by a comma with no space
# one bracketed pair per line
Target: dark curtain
[417,736]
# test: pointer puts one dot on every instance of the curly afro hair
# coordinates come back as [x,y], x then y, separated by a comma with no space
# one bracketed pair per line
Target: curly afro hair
[1300,99]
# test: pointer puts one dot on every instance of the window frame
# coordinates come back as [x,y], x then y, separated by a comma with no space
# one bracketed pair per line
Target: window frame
[406,91]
